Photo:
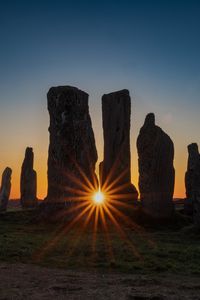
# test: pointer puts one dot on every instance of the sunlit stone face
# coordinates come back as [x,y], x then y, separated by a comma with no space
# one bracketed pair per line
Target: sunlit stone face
[98,197]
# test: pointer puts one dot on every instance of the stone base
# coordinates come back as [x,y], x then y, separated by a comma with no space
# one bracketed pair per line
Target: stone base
[188,207]
[29,204]
[59,211]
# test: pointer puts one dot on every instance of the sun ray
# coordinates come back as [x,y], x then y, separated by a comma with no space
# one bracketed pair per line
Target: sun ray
[116,190]
[122,196]
[80,232]
[101,207]
[95,181]
[51,244]
[76,180]
[75,207]
[84,176]
[81,172]
[112,170]
[77,191]
[107,235]
[109,187]
[135,226]
[78,198]
[122,234]
[108,179]
[96,219]
[120,203]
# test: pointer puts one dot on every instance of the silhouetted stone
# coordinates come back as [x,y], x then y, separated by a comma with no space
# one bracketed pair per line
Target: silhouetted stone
[196,195]
[192,183]
[28,182]
[156,171]
[72,151]
[5,189]
[193,157]
[115,169]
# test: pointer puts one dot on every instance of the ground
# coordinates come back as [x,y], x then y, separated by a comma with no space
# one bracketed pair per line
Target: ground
[136,260]
[19,281]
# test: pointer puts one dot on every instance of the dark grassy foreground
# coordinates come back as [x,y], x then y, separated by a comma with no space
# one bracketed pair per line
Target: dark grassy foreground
[172,247]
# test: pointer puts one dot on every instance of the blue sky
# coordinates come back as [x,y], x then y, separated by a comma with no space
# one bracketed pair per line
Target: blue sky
[149,47]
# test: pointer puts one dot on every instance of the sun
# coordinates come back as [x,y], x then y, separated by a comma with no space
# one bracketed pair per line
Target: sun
[98,197]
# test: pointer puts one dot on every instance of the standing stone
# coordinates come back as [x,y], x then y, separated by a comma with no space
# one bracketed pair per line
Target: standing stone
[72,151]
[115,169]
[196,195]
[5,189]
[28,183]
[193,157]
[156,171]
[192,183]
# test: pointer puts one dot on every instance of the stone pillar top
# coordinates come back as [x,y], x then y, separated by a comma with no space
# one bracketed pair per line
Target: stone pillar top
[116,93]
[193,148]
[149,120]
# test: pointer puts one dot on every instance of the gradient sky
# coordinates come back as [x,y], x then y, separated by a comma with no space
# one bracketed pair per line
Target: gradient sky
[149,47]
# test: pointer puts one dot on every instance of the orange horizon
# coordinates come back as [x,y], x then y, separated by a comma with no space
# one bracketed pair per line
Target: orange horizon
[39,140]
[179,191]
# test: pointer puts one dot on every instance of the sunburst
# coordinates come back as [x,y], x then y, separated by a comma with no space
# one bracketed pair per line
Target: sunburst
[98,197]
[98,204]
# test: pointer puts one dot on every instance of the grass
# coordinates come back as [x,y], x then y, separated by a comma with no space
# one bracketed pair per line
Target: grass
[173,247]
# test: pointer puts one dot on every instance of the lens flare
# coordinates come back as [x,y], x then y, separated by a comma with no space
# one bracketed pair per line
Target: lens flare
[98,197]
[100,206]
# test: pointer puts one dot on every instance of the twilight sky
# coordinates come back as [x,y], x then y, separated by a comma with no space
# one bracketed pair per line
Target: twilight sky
[149,47]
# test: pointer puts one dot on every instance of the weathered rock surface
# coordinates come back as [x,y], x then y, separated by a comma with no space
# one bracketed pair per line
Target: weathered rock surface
[72,151]
[192,183]
[156,171]
[5,188]
[193,157]
[196,195]
[115,170]
[28,181]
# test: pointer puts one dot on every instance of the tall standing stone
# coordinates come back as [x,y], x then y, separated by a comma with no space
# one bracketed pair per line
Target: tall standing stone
[72,151]
[115,170]
[193,157]
[28,182]
[196,195]
[156,170]
[192,183]
[5,188]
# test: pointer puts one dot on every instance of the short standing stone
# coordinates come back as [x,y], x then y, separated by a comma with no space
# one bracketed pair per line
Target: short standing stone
[115,170]
[72,151]
[5,189]
[28,183]
[156,171]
